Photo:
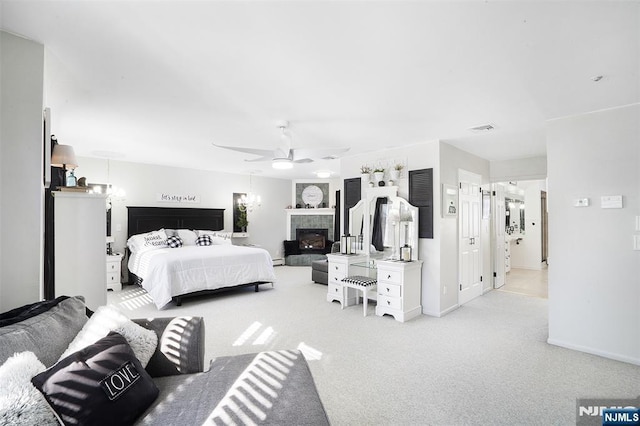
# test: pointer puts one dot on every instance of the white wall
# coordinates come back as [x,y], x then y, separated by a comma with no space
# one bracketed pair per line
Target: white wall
[21,189]
[519,169]
[594,273]
[142,183]
[452,160]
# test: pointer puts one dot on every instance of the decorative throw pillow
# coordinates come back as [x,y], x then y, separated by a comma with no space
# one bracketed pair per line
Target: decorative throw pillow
[102,384]
[204,240]
[150,241]
[188,237]
[34,333]
[291,247]
[20,401]
[174,242]
[108,318]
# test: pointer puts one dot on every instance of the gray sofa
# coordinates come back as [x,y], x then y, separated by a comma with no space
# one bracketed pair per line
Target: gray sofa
[265,388]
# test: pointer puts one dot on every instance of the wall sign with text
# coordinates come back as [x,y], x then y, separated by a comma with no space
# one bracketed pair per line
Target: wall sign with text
[177,198]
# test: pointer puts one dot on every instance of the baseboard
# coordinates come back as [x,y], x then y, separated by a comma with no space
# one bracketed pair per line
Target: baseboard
[589,350]
[439,314]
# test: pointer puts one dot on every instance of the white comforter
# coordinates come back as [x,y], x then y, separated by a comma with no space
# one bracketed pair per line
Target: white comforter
[170,272]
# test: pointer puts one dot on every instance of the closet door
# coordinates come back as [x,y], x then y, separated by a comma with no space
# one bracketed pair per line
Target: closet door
[80,246]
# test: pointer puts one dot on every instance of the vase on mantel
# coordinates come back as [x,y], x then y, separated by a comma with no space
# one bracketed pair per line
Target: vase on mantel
[365,177]
[379,176]
[394,174]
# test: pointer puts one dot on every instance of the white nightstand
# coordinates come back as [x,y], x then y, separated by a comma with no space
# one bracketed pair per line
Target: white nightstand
[113,272]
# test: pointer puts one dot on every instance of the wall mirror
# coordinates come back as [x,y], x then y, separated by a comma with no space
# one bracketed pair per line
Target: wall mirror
[383,223]
[514,211]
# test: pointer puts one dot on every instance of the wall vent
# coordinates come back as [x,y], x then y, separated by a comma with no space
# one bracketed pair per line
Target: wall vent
[483,128]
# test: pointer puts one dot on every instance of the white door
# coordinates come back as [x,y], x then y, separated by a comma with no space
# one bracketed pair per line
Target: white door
[470,202]
[499,223]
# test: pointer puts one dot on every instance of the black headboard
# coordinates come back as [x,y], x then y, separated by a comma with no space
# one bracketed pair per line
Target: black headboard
[146,219]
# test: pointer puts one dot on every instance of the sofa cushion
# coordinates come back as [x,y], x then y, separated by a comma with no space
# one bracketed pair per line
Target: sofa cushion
[273,387]
[320,265]
[103,384]
[180,345]
[20,401]
[143,342]
[63,320]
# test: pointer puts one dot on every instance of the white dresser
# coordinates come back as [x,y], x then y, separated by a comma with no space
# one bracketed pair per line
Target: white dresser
[399,289]
[339,269]
[79,230]
[114,263]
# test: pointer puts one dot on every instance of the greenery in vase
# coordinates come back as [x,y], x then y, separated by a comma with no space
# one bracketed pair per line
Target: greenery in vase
[365,170]
[378,170]
[242,221]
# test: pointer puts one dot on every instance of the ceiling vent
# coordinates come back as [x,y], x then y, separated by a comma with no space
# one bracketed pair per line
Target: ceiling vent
[483,128]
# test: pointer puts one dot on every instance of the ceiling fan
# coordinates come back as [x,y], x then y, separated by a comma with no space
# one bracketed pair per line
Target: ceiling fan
[284,157]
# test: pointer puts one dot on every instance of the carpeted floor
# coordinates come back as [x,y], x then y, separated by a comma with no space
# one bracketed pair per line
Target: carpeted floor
[485,363]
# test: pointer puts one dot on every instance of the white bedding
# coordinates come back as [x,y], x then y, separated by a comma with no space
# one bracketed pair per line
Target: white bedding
[170,272]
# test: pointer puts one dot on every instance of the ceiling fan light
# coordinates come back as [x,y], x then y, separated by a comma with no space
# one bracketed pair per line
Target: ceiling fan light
[323,174]
[281,163]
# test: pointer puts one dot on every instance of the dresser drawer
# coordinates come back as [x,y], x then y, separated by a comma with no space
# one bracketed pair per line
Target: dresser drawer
[113,277]
[389,276]
[390,290]
[335,289]
[339,269]
[113,267]
[389,302]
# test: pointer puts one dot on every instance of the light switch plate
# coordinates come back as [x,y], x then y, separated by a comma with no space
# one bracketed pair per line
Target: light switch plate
[611,201]
[636,242]
[637,223]
[581,202]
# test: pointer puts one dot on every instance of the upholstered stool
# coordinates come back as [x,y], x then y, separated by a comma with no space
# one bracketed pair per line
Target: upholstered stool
[362,283]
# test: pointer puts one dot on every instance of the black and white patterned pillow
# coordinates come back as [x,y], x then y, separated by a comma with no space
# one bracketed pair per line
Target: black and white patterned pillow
[204,240]
[174,242]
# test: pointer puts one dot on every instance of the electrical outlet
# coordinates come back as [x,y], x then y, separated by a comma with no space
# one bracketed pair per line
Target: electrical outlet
[444,290]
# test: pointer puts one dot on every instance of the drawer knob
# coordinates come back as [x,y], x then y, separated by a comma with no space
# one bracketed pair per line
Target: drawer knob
[336,290]
[388,302]
[389,276]
[387,289]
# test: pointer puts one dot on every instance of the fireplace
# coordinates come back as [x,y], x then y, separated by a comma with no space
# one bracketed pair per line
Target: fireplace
[312,240]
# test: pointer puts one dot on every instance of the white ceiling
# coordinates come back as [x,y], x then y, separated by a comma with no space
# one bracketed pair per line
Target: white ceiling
[159,81]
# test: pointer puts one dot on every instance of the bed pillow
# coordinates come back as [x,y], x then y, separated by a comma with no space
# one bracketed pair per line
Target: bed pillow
[204,240]
[188,237]
[174,242]
[108,318]
[217,237]
[150,241]
[20,401]
[107,377]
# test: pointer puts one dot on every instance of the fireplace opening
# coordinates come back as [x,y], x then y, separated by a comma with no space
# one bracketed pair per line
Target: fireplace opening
[312,240]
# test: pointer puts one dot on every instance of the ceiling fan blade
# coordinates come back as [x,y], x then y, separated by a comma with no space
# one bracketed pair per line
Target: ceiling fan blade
[254,151]
[327,153]
[264,158]
[303,160]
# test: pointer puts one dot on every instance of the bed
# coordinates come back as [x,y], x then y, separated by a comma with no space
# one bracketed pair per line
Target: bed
[175,273]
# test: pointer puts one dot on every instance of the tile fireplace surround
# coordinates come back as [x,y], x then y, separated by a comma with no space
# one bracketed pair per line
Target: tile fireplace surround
[310,218]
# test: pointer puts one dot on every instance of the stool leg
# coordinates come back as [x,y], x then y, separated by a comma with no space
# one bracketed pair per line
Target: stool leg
[365,300]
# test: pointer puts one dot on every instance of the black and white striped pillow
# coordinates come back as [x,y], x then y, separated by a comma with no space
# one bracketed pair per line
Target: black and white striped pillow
[174,242]
[204,240]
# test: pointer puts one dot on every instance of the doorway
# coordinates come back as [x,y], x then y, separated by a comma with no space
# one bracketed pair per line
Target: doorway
[520,237]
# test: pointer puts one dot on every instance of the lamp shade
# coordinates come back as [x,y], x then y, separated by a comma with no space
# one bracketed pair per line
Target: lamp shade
[63,156]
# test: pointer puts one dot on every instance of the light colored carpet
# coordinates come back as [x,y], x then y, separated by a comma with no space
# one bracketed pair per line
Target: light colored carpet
[485,363]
